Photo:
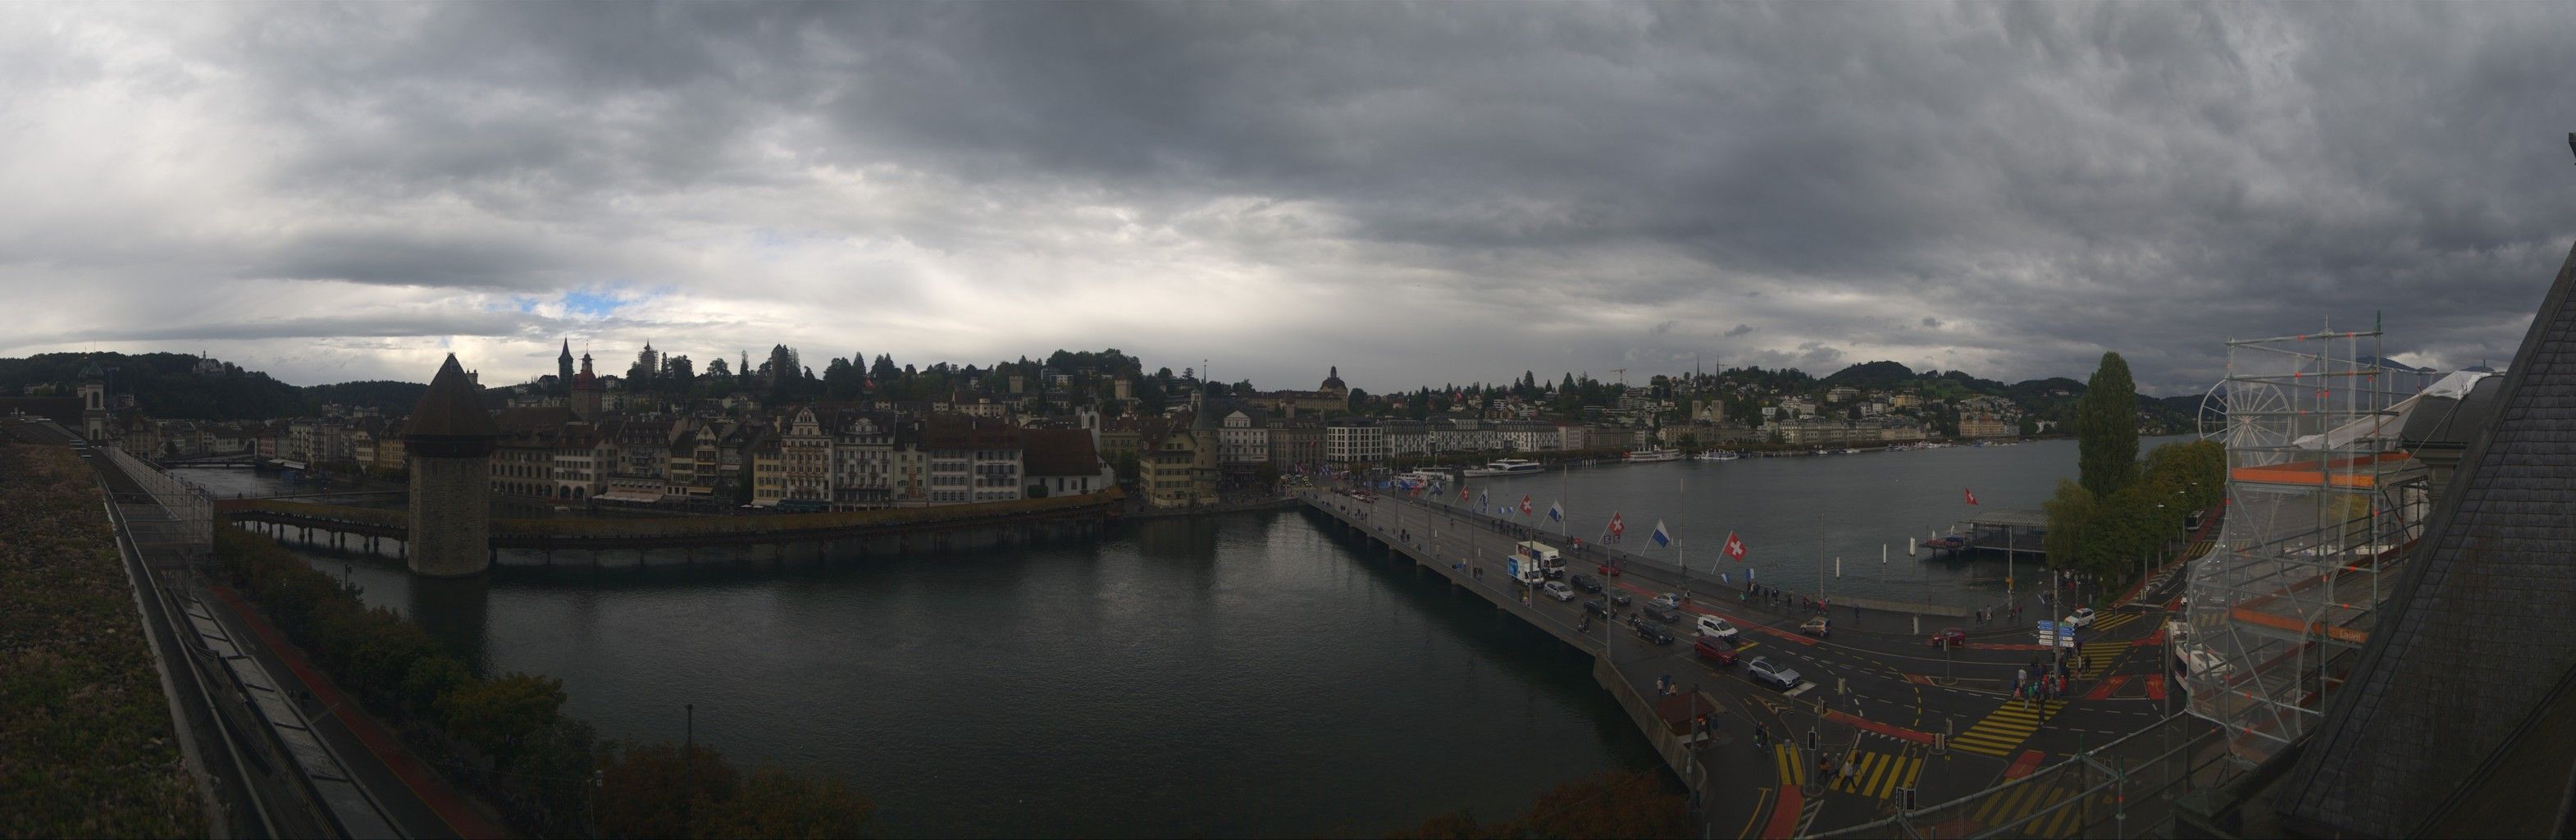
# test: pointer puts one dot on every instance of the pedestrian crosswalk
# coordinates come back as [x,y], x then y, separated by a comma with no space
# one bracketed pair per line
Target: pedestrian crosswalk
[2004,730]
[1793,772]
[1879,775]
[2112,620]
[2099,657]
[2040,809]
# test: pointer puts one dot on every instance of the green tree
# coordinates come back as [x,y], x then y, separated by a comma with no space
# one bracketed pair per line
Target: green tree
[841,379]
[651,792]
[2107,429]
[496,716]
[2069,512]
[430,678]
[776,803]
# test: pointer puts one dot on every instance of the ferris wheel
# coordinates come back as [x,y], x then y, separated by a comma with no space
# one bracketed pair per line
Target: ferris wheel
[2253,418]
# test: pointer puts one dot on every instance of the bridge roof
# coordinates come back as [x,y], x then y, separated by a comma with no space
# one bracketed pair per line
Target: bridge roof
[452,407]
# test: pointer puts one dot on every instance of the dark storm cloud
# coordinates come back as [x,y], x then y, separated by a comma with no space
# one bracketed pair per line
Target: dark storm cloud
[2005,189]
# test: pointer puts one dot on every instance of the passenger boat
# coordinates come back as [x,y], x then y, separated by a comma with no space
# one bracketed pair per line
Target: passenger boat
[1506,467]
[1655,455]
[1719,455]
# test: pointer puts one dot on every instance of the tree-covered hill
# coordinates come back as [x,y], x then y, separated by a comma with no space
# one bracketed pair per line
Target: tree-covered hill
[165,385]
[387,397]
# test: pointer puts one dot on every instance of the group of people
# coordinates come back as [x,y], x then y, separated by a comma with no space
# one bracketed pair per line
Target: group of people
[1773,595]
[2052,683]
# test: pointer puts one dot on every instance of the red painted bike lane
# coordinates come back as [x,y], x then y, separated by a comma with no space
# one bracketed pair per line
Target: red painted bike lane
[424,784]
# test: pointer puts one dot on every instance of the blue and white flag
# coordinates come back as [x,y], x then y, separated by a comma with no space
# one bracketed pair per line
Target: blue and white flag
[1721,578]
[1662,537]
[1481,501]
[1556,512]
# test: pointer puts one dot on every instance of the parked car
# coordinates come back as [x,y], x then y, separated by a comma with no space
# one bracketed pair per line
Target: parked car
[1620,599]
[1950,637]
[1781,677]
[1818,627]
[1664,614]
[2083,617]
[1558,590]
[1668,601]
[1597,608]
[1587,583]
[1711,626]
[1653,632]
[1714,650]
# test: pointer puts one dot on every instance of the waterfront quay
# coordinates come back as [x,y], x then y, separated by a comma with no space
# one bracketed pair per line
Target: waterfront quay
[1877,712]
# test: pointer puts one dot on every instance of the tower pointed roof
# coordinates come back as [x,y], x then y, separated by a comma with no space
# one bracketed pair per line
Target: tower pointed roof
[567,351]
[452,407]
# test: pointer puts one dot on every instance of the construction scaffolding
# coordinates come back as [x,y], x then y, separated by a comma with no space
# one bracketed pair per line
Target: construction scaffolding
[2323,504]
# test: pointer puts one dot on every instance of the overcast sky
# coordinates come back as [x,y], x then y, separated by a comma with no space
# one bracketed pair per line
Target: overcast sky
[1418,194]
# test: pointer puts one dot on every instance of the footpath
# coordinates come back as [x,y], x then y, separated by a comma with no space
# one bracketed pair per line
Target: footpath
[437,809]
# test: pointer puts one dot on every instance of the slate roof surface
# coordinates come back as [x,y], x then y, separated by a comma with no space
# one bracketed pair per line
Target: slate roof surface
[1058,452]
[2483,622]
[452,407]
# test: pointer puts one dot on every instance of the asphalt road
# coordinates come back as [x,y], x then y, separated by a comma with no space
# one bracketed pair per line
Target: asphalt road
[1871,699]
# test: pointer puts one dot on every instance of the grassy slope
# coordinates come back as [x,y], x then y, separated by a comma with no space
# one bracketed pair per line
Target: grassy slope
[85,738]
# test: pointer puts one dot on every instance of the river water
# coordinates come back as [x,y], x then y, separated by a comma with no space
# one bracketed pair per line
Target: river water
[1796,515]
[1245,675]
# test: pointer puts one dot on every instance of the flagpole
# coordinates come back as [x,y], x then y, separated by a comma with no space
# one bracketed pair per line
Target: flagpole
[1681,493]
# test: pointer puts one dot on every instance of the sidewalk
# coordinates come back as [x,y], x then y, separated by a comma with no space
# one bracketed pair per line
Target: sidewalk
[452,812]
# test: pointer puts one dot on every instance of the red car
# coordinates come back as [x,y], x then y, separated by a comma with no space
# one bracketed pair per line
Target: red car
[1608,569]
[1714,650]
[1950,637]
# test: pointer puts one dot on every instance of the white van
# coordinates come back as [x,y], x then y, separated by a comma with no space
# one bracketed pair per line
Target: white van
[1709,625]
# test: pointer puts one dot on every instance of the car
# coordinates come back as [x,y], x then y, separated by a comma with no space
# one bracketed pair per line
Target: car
[1818,627]
[1652,632]
[1950,637]
[1587,583]
[1781,677]
[1558,590]
[1664,614]
[1597,608]
[1607,570]
[1668,601]
[1715,650]
[1714,627]
[1621,599]
[2082,617]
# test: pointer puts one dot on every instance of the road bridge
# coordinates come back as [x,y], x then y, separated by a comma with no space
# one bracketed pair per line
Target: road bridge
[1879,700]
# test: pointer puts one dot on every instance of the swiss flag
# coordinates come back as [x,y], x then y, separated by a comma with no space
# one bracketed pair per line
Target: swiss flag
[1462,492]
[1617,526]
[1734,547]
[1525,506]
[1972,495]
